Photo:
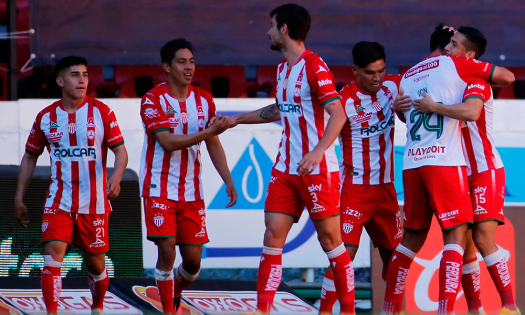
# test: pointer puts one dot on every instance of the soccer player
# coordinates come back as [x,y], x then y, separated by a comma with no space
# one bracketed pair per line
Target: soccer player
[486,175]
[77,131]
[175,115]
[434,175]
[305,172]
[368,196]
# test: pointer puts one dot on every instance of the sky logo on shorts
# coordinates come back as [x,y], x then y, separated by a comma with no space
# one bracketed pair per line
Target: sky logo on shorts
[252,175]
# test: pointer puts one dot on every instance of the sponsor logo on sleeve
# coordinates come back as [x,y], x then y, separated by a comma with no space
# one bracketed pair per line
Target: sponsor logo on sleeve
[324,82]
[54,137]
[476,86]
[151,113]
[113,124]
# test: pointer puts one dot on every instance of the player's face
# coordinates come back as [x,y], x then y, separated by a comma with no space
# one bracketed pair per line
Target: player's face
[456,47]
[370,78]
[74,81]
[276,36]
[182,67]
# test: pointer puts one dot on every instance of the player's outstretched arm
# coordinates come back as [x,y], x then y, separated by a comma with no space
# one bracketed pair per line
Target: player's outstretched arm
[218,159]
[469,110]
[263,115]
[27,168]
[170,142]
[502,77]
[121,161]
[333,129]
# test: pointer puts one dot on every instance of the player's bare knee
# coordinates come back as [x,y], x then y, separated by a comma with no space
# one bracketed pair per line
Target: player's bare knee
[273,238]
[456,236]
[192,266]
[352,251]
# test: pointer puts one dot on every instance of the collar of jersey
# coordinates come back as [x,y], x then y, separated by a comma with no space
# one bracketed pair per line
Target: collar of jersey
[304,54]
[81,105]
[167,91]
[357,89]
[434,56]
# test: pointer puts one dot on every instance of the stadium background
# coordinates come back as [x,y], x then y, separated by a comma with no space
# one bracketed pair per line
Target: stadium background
[122,39]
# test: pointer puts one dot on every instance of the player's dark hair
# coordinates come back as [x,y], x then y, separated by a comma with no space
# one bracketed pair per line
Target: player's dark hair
[440,38]
[67,62]
[295,17]
[167,52]
[365,53]
[475,42]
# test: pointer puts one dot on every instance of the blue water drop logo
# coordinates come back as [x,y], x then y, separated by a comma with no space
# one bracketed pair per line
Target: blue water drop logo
[251,176]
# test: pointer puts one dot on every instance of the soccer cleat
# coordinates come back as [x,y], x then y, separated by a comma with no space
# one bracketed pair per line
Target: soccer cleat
[176,303]
[506,311]
[97,311]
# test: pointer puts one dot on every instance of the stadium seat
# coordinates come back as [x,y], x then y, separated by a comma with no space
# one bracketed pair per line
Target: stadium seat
[136,87]
[515,90]
[221,81]
[124,73]
[343,75]
[267,79]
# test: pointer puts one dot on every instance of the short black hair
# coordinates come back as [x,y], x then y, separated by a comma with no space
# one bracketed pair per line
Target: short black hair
[167,52]
[67,62]
[440,38]
[365,53]
[476,41]
[295,17]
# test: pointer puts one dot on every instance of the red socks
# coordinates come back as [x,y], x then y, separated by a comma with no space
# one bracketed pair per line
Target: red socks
[183,280]
[449,277]
[398,269]
[343,278]
[268,278]
[98,286]
[165,286]
[499,272]
[471,282]
[51,283]
[328,294]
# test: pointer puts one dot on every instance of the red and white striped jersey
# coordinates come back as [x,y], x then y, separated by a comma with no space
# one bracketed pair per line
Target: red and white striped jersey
[478,144]
[302,90]
[367,138]
[173,175]
[77,144]
[434,139]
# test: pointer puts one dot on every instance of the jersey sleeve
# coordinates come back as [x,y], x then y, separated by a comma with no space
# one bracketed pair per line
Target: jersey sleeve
[344,95]
[469,67]
[321,82]
[112,132]
[477,89]
[37,141]
[153,117]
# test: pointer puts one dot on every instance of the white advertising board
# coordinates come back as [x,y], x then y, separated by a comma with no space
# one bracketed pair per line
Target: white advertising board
[236,234]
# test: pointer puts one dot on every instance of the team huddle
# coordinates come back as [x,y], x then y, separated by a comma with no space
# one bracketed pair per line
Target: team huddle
[451,168]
